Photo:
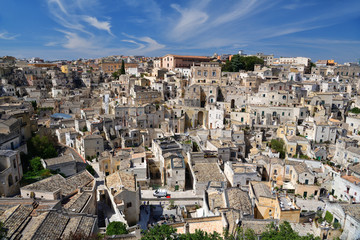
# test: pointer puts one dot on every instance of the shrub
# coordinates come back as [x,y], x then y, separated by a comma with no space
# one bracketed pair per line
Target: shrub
[336,225]
[35,164]
[355,110]
[328,217]
[278,145]
[90,169]
[116,228]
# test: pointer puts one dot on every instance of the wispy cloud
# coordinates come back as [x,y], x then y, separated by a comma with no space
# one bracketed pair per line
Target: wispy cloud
[74,41]
[146,44]
[80,35]
[326,41]
[243,8]
[227,24]
[297,4]
[102,25]
[198,27]
[191,19]
[6,36]
[77,35]
[199,18]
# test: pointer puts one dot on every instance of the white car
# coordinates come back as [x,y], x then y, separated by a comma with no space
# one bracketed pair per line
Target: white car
[160,193]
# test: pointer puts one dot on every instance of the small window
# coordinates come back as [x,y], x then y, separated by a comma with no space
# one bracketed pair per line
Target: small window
[128,205]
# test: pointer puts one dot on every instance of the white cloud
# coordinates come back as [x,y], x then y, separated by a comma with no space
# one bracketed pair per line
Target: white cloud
[76,42]
[242,9]
[6,36]
[98,24]
[59,4]
[141,46]
[146,44]
[191,19]
[69,14]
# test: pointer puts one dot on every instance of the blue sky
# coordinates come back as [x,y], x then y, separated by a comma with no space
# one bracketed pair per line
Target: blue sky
[70,29]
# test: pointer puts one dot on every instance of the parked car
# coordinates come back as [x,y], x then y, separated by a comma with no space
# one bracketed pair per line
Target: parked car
[160,193]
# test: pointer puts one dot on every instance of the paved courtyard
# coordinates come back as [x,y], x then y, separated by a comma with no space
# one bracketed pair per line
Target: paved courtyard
[309,205]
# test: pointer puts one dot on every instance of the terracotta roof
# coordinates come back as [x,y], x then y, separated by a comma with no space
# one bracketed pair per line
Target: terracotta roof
[352,179]
[180,56]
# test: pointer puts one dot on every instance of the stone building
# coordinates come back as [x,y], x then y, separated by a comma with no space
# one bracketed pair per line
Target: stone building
[11,172]
[170,62]
[206,73]
[125,195]
[90,145]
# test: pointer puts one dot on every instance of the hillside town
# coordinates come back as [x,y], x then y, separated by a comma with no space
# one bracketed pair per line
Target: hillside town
[224,144]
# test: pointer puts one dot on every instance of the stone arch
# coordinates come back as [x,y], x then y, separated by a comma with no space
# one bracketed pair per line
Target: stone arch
[211,99]
[201,118]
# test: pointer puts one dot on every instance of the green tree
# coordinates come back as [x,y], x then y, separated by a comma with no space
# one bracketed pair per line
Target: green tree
[35,164]
[336,225]
[200,234]
[248,234]
[159,232]
[238,63]
[278,145]
[40,146]
[116,228]
[122,67]
[227,67]
[328,217]
[90,169]
[355,110]
[284,232]
[115,75]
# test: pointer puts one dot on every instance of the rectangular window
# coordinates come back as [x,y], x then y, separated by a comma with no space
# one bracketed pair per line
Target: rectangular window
[205,74]
[199,73]
[214,74]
